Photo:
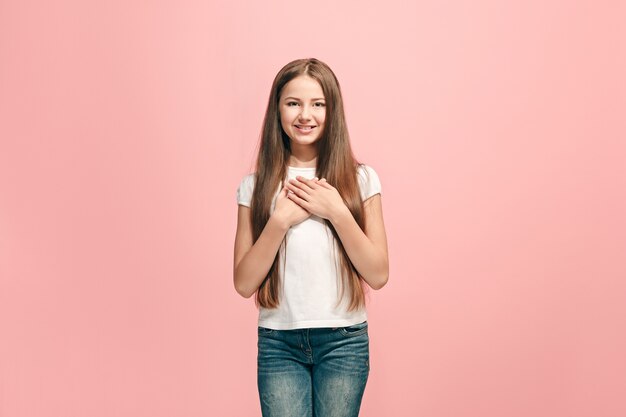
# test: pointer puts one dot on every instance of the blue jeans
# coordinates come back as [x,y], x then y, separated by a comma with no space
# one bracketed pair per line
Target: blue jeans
[314,372]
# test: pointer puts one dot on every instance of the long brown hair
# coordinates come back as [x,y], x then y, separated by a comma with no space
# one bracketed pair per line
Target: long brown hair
[335,162]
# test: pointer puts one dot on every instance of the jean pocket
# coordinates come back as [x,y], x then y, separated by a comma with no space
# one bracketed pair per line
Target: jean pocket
[354,329]
[265,330]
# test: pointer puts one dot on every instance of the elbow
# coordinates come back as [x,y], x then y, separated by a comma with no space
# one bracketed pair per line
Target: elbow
[381,282]
[382,277]
[376,282]
[241,290]
[245,293]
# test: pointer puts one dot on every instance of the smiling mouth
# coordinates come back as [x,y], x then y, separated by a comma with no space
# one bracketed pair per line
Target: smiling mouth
[305,127]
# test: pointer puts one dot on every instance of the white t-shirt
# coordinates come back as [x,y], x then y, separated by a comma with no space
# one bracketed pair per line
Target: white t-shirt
[311,274]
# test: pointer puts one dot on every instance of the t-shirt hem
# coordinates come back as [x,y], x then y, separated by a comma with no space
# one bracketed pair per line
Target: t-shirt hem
[312,323]
[373,194]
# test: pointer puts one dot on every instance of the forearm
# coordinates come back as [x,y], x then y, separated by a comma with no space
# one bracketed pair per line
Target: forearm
[366,257]
[254,266]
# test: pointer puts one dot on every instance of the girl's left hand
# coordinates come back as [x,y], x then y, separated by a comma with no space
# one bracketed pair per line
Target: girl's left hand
[318,197]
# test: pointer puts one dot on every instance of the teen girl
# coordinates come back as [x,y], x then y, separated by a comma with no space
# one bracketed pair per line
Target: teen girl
[310,236]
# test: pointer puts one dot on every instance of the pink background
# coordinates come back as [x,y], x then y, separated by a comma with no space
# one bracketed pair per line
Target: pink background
[498,131]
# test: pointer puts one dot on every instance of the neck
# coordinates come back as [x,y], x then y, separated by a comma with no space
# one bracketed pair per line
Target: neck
[303,157]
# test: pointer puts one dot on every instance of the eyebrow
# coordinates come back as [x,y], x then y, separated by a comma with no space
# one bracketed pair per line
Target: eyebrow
[320,98]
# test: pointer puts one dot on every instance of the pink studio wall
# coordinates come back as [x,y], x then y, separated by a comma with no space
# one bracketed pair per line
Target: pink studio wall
[497,129]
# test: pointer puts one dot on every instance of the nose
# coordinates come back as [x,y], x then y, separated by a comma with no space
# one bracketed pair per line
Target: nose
[305,113]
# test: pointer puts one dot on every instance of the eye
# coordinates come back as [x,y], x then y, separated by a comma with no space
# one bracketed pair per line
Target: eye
[320,104]
[291,102]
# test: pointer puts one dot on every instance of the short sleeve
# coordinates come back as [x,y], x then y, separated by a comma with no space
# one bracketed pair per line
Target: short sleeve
[244,192]
[369,183]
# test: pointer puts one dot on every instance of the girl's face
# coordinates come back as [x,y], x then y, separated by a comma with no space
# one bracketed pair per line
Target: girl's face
[302,110]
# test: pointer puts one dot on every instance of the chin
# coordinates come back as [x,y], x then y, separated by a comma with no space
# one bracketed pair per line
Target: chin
[304,141]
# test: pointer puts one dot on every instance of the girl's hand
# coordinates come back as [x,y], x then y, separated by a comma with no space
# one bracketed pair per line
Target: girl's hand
[288,211]
[316,196]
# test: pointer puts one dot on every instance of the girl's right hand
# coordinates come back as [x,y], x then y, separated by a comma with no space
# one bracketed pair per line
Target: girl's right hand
[288,211]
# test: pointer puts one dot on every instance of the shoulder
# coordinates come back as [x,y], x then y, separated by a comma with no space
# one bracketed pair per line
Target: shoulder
[245,189]
[369,181]
[248,179]
[366,171]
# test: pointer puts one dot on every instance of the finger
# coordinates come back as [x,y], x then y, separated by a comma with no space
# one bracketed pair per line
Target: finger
[300,191]
[324,183]
[303,184]
[296,199]
[312,183]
